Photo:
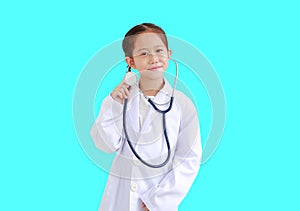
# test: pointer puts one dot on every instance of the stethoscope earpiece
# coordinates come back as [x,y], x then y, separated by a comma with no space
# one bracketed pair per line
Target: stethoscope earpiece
[128,68]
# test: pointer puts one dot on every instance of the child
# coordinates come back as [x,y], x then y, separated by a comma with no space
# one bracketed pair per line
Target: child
[132,185]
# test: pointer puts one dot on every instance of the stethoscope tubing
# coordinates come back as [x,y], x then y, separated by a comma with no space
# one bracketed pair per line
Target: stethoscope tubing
[132,148]
[163,112]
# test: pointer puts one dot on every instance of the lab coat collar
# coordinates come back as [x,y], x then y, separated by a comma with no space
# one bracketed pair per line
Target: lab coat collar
[161,97]
[166,91]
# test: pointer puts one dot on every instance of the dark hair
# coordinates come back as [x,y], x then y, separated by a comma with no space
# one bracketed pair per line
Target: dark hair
[129,38]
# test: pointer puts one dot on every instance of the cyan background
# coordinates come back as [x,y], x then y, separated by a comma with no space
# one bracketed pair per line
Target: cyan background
[253,46]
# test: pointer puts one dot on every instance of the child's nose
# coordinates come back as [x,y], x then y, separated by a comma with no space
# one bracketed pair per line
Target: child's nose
[153,58]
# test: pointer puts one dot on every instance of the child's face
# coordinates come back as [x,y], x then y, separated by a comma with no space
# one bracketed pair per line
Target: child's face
[150,56]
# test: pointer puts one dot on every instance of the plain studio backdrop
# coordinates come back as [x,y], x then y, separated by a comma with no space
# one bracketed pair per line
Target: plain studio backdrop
[253,47]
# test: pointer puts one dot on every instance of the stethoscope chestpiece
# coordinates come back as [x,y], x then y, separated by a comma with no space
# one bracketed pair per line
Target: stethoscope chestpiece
[131,78]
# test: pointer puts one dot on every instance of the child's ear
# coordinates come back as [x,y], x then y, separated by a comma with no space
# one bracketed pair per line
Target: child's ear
[169,53]
[130,62]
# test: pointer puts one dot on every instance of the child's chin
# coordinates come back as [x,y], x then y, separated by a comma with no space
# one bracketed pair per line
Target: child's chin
[153,74]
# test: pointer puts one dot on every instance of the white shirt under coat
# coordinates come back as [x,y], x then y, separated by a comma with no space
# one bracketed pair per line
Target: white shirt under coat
[130,182]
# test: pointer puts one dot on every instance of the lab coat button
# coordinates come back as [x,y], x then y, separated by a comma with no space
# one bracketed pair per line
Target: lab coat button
[134,187]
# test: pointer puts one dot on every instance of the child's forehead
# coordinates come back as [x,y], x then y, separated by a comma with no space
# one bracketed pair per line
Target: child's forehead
[148,40]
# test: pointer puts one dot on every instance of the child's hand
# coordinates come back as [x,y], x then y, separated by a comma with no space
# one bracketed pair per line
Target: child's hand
[121,92]
[144,207]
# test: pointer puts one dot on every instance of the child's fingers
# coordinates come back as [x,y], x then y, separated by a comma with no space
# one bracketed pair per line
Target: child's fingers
[124,84]
[144,207]
[121,92]
[124,91]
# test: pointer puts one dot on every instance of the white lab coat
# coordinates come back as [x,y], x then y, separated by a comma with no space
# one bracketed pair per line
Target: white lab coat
[130,182]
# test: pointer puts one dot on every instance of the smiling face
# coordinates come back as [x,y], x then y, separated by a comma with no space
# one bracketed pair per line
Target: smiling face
[150,56]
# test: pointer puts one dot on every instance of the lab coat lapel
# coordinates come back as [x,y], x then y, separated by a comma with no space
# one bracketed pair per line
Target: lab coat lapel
[152,116]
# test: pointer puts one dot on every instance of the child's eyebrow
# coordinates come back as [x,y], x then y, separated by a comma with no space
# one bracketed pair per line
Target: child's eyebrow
[142,49]
[156,46]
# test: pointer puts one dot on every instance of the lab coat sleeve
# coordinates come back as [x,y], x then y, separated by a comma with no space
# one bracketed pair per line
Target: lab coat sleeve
[168,194]
[106,131]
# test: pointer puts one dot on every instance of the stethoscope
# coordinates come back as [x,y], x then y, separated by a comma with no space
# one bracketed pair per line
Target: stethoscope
[131,80]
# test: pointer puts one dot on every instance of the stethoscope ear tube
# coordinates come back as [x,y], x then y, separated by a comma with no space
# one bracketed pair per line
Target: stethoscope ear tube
[165,133]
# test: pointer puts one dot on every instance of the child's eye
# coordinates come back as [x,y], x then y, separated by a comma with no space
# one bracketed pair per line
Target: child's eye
[159,50]
[143,54]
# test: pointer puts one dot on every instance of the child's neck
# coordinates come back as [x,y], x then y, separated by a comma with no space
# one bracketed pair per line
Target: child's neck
[151,87]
